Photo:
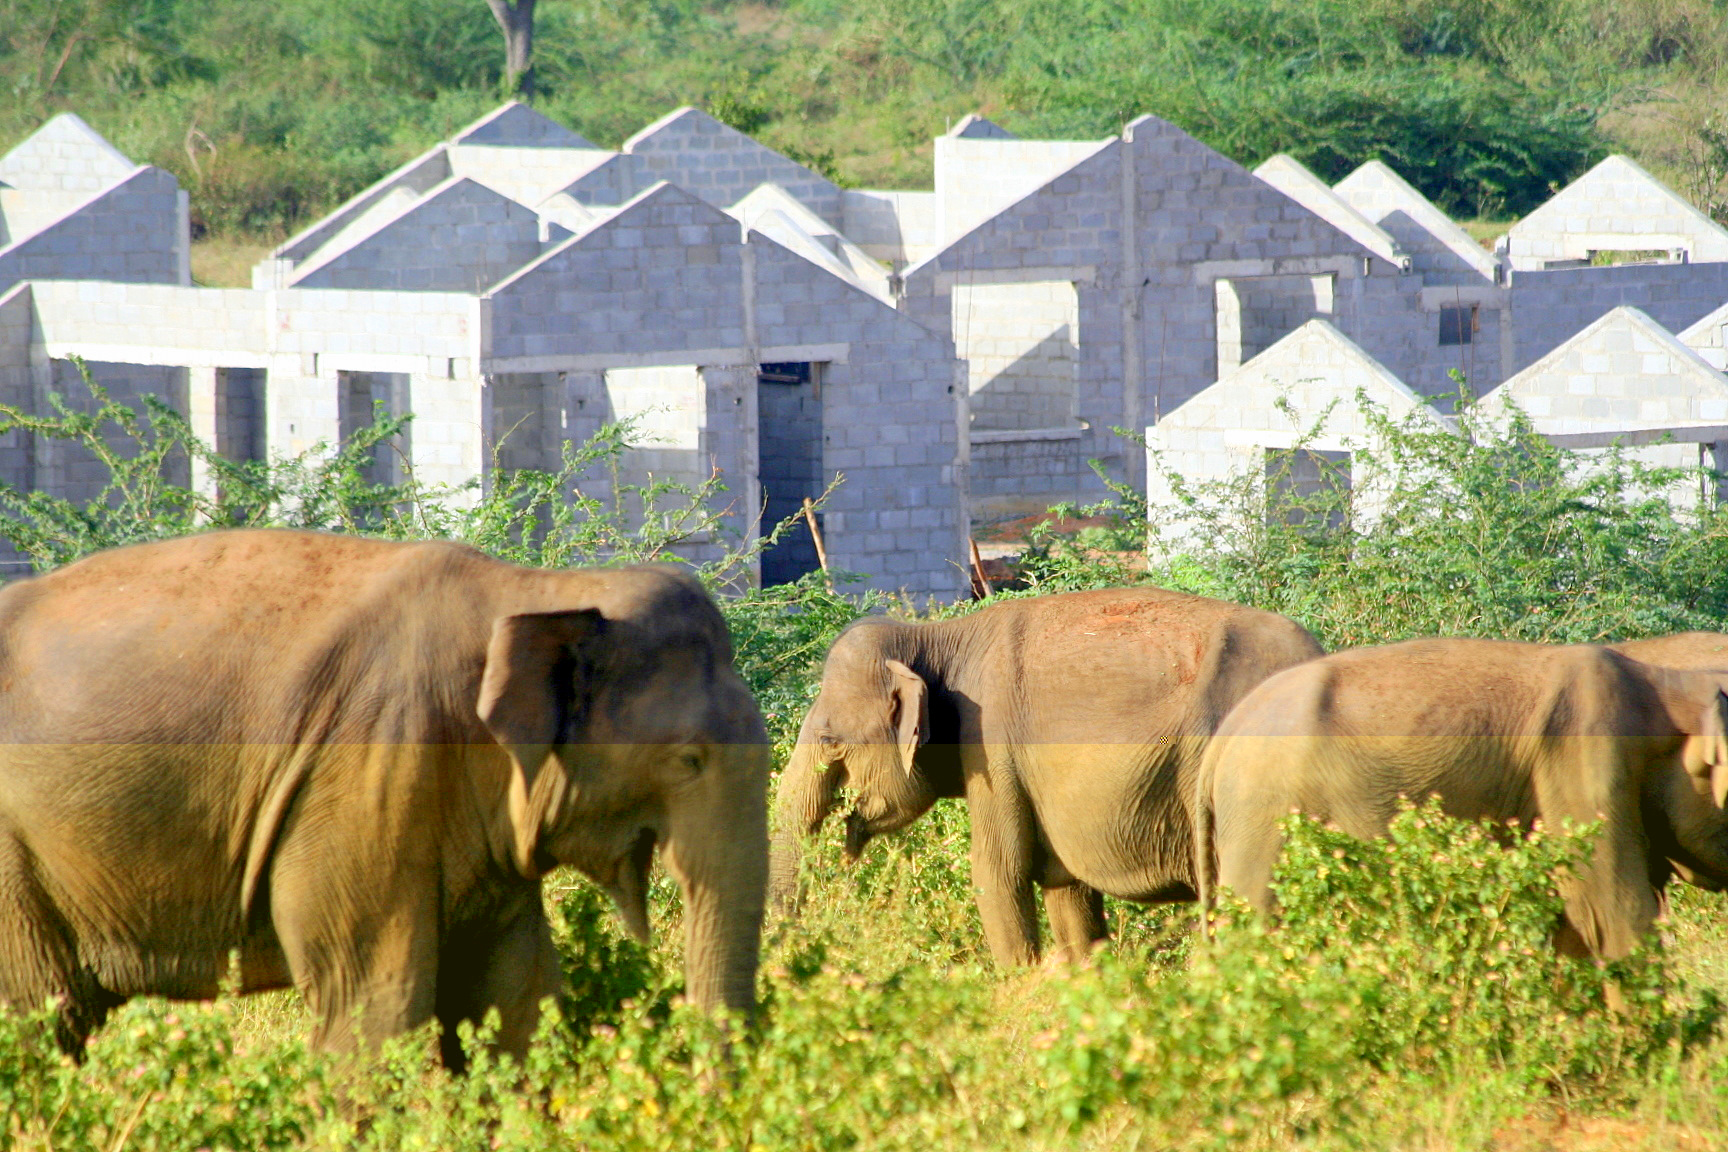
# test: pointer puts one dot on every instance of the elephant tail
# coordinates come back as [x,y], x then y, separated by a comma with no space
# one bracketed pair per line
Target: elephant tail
[1204,837]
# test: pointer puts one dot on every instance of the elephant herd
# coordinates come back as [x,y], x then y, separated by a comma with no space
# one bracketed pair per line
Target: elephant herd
[349,763]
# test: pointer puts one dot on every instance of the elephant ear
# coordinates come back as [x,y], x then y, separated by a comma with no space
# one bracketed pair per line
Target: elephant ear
[1713,741]
[529,696]
[909,712]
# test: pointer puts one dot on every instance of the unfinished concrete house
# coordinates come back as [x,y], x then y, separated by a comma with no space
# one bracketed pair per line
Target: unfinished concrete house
[461,290]
[1295,418]
[72,207]
[958,355]
[1625,380]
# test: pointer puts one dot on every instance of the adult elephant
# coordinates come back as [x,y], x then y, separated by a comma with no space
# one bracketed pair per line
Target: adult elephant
[1696,651]
[1071,724]
[352,761]
[1498,730]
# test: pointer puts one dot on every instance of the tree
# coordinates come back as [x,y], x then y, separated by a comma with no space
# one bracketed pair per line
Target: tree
[516,18]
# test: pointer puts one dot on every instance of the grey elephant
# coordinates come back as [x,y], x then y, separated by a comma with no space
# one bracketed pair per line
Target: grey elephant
[1498,730]
[352,761]
[1071,724]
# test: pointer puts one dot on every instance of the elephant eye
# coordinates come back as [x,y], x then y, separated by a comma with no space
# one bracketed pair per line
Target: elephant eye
[828,748]
[690,759]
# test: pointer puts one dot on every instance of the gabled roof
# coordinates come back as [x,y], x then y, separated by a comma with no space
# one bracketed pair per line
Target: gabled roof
[974,127]
[1289,176]
[460,236]
[1312,368]
[1386,198]
[1622,373]
[776,213]
[65,155]
[1615,205]
[515,125]
[1706,337]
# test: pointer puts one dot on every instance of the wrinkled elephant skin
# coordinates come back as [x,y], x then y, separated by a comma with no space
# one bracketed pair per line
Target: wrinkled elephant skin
[1071,724]
[352,761]
[1497,730]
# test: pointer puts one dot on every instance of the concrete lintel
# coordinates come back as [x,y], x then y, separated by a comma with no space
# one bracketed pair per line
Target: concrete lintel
[1208,271]
[671,358]
[411,363]
[1086,274]
[1252,438]
[1489,294]
[1017,435]
[1640,437]
[167,357]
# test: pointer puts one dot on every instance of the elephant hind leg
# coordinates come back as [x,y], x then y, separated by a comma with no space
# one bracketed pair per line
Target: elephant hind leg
[1076,914]
[38,956]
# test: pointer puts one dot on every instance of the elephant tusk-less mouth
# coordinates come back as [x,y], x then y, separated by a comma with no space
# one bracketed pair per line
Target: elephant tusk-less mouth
[857,836]
[629,890]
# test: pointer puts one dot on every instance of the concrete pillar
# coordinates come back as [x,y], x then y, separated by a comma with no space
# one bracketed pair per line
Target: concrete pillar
[204,413]
[730,444]
[301,405]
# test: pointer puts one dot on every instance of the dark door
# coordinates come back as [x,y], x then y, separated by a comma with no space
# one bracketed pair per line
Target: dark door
[789,420]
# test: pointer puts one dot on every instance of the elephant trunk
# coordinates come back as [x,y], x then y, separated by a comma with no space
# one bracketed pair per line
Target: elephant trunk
[722,865]
[807,793]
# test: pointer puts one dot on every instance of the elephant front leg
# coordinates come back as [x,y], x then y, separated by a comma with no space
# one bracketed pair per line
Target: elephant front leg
[366,974]
[512,969]
[1002,871]
[1076,914]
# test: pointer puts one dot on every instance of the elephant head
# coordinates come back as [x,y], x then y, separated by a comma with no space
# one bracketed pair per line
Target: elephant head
[864,731]
[630,732]
[1691,795]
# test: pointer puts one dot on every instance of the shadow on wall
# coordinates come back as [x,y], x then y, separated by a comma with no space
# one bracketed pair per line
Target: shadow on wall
[1040,389]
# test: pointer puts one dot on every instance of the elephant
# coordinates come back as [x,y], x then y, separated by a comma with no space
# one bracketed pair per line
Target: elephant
[351,762]
[1498,730]
[1690,651]
[1072,725]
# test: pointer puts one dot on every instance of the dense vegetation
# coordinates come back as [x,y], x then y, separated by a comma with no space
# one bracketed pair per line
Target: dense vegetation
[1409,999]
[270,113]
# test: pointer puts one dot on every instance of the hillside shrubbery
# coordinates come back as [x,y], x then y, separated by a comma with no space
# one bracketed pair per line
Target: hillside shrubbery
[271,114]
[1410,996]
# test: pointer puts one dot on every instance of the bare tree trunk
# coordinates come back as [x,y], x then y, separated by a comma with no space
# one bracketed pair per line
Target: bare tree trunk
[516,18]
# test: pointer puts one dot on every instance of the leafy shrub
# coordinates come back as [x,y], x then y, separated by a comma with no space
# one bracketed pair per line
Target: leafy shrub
[1424,955]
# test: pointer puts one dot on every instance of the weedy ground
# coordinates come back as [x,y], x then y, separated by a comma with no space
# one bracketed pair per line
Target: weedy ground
[1409,999]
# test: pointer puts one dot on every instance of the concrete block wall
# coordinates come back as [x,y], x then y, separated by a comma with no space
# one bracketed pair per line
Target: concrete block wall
[615,180]
[720,164]
[1440,251]
[417,176]
[72,472]
[889,424]
[317,333]
[17,333]
[1550,306]
[527,175]
[460,237]
[1302,391]
[1616,206]
[154,323]
[1625,371]
[54,169]
[899,227]
[1020,343]
[662,275]
[1708,336]
[134,231]
[977,177]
